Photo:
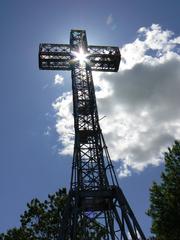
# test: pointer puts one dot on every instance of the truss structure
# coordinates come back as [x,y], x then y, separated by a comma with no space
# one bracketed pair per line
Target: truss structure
[96,206]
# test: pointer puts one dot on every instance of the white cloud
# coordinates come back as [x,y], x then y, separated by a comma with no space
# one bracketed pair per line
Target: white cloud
[124,171]
[109,19]
[47,131]
[140,102]
[110,22]
[64,124]
[58,79]
[152,46]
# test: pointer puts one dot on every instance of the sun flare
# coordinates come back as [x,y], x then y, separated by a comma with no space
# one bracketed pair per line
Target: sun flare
[81,56]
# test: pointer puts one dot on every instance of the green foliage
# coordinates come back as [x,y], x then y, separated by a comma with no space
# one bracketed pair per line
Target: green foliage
[165,198]
[41,221]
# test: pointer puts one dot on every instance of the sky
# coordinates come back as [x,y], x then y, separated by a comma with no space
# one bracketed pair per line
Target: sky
[139,104]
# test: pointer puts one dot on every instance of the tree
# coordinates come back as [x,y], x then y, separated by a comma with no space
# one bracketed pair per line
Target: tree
[41,221]
[165,198]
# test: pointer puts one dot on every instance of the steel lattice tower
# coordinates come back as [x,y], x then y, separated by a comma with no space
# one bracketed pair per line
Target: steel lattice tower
[96,206]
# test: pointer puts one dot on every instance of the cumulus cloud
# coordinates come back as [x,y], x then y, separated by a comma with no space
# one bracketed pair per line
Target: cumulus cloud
[64,124]
[58,79]
[140,102]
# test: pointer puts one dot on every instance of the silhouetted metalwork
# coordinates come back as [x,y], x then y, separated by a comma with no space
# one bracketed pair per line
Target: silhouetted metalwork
[95,198]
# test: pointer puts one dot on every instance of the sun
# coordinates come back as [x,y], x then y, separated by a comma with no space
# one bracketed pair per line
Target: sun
[80,56]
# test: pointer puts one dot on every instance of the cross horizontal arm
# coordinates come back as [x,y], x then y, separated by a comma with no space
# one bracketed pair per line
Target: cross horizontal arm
[54,56]
[104,58]
[59,57]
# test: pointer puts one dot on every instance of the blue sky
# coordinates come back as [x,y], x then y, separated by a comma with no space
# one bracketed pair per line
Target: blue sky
[30,125]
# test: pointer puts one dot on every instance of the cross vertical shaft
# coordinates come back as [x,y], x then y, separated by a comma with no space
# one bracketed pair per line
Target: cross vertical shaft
[96,206]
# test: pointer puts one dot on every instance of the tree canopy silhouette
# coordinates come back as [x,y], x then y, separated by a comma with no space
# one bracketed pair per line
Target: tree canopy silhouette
[165,198]
[42,221]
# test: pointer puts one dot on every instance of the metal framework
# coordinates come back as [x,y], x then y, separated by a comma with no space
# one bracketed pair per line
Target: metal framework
[96,206]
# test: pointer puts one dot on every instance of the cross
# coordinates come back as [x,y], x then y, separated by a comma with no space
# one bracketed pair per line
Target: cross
[64,56]
[94,187]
